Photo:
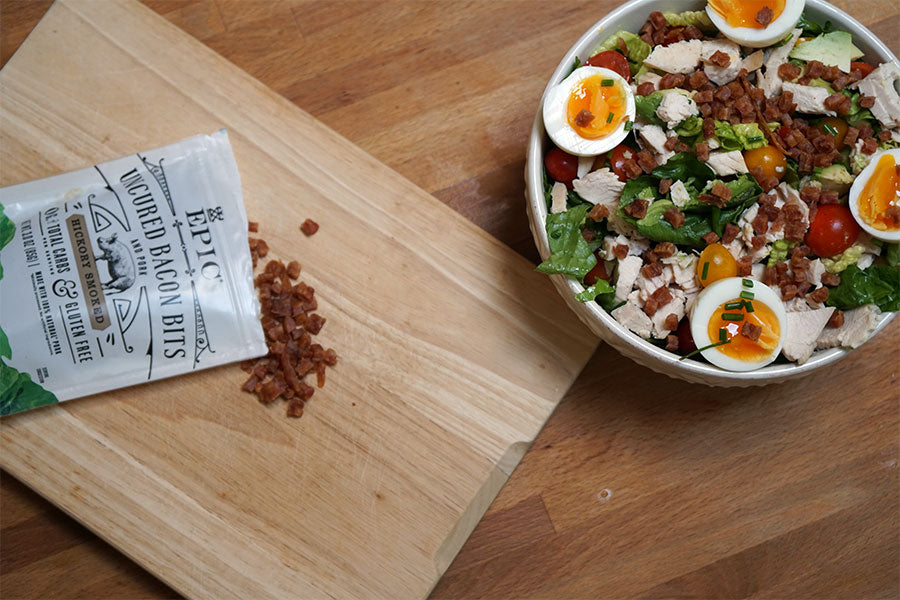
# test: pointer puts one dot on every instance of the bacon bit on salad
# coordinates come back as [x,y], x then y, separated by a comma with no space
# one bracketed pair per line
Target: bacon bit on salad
[672,322]
[838,102]
[810,194]
[836,319]
[623,47]
[671,339]
[664,185]
[757,241]
[674,217]
[671,80]
[704,97]
[721,190]
[589,235]
[870,145]
[819,295]
[720,59]
[829,197]
[671,143]
[893,213]
[584,118]
[632,169]
[645,89]
[801,250]
[711,199]
[665,249]
[620,251]
[788,292]
[789,72]
[730,232]
[745,266]
[637,209]
[651,270]
[646,161]
[697,79]
[884,135]
[598,212]
[866,101]
[751,331]
[711,238]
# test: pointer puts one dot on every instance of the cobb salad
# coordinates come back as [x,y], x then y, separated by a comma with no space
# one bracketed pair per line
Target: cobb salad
[726,183]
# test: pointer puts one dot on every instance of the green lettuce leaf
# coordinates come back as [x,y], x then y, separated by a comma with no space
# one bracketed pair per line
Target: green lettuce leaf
[879,284]
[18,392]
[646,106]
[683,166]
[591,293]
[892,254]
[656,228]
[570,254]
[638,49]
[697,18]
[810,27]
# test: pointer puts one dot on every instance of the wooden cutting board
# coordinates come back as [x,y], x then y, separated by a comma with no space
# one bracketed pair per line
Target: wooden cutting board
[453,351]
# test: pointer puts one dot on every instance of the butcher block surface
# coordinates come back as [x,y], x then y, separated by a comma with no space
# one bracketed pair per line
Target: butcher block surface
[638,486]
[453,351]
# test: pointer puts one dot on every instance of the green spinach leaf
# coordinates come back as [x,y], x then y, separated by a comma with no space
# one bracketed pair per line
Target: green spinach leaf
[570,254]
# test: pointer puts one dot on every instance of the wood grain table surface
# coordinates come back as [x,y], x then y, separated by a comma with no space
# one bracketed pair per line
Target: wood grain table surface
[639,485]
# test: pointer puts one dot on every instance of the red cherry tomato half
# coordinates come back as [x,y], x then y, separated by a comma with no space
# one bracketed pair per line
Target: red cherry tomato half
[832,231]
[686,343]
[562,166]
[613,61]
[598,272]
[617,159]
[864,68]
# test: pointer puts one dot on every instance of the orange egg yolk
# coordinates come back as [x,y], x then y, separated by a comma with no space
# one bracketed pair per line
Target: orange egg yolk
[596,107]
[743,13]
[742,347]
[881,193]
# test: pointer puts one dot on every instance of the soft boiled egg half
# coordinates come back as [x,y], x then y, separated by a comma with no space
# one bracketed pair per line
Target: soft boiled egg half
[755,23]
[585,114]
[738,324]
[875,196]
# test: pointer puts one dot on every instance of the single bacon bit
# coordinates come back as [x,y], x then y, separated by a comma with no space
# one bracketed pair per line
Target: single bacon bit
[585,117]
[866,101]
[252,226]
[651,306]
[788,292]
[751,331]
[645,89]
[598,212]
[662,295]
[637,209]
[672,340]
[711,199]
[671,321]
[789,72]
[745,266]
[702,150]
[620,251]
[721,190]
[652,270]
[831,279]
[836,319]
[884,135]
[671,143]
[711,237]
[819,295]
[262,248]
[665,249]
[697,79]
[869,146]
[293,269]
[757,241]
[589,235]
[646,161]
[893,213]
[730,232]
[309,227]
[720,59]
[674,217]
[664,185]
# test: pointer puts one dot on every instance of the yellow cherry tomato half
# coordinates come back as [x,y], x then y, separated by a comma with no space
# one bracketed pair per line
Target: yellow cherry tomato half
[769,159]
[715,263]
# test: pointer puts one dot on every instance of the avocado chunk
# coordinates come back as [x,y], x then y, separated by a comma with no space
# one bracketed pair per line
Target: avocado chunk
[836,178]
[833,49]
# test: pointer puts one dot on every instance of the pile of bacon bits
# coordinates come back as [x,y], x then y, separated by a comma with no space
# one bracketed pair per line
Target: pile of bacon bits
[289,324]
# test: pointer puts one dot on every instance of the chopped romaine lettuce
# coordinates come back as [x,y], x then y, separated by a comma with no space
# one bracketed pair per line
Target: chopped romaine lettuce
[638,49]
[656,228]
[646,106]
[591,293]
[570,254]
[690,127]
[697,18]
[740,136]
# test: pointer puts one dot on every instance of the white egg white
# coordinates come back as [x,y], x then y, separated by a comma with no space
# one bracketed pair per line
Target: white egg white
[557,124]
[751,37]
[856,189]
[709,302]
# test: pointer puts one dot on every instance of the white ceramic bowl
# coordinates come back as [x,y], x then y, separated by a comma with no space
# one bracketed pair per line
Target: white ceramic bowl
[630,17]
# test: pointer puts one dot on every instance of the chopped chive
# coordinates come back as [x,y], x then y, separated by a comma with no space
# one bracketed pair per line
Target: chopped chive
[698,350]
[723,334]
[734,305]
[747,295]
[747,283]
[748,306]
[830,129]
[610,117]
[755,138]
[705,271]
[607,82]
[732,317]
[629,125]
